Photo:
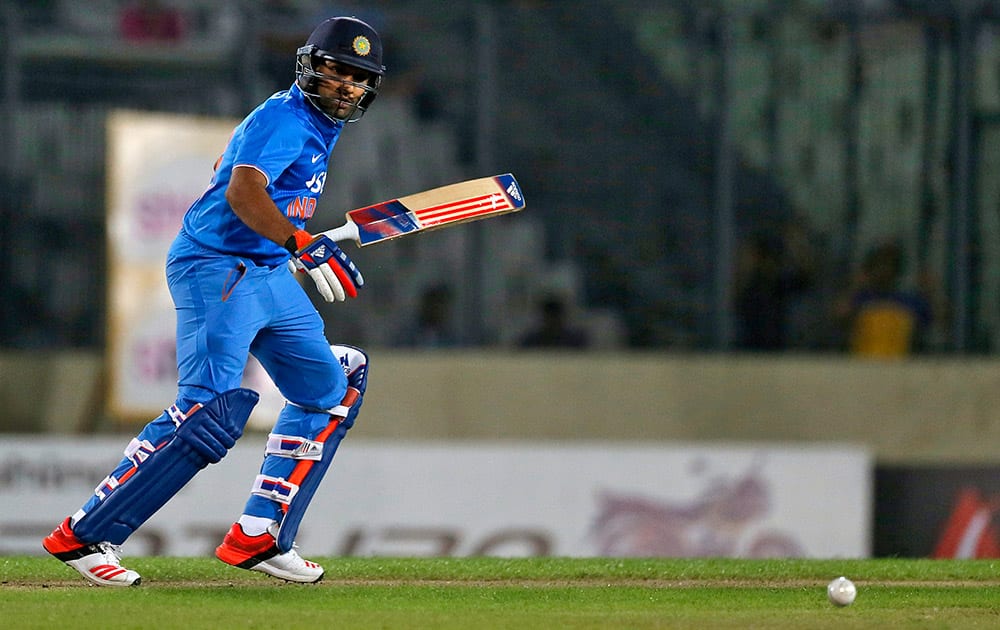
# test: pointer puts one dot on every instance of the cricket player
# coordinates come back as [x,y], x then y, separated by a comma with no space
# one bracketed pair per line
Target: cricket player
[228,274]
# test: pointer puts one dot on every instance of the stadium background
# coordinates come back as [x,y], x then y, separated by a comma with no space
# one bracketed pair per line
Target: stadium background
[654,141]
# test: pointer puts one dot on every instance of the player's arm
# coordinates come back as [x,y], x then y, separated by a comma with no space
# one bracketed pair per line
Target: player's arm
[335,275]
[247,196]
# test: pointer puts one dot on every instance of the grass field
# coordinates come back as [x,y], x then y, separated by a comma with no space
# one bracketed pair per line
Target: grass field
[485,593]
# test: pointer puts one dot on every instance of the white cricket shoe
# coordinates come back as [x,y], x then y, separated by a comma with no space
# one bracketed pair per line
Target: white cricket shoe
[260,553]
[99,563]
[292,567]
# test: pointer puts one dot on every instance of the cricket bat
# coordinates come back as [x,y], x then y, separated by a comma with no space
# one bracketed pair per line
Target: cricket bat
[466,201]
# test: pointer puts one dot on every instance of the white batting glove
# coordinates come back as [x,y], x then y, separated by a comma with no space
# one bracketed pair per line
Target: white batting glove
[335,275]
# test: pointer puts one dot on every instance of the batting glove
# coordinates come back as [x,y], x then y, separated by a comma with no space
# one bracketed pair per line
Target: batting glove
[335,275]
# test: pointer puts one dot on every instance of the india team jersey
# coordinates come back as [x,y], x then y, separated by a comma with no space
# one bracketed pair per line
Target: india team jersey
[289,141]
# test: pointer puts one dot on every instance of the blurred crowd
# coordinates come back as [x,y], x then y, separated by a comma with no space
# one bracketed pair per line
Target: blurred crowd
[626,196]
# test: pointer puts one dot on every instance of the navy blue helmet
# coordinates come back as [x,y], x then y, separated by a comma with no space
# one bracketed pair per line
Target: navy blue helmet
[345,41]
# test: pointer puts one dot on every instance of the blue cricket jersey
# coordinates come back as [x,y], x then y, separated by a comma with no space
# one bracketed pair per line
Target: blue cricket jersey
[289,141]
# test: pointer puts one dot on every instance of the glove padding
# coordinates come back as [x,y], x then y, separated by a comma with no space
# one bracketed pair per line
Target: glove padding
[335,275]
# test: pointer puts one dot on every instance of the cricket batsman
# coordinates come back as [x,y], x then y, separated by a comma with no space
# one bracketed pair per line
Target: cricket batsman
[228,275]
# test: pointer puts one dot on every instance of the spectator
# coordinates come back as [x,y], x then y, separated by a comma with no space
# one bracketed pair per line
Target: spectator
[553,329]
[772,271]
[883,319]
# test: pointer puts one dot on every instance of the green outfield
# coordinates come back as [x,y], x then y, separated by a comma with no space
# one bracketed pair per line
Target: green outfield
[486,593]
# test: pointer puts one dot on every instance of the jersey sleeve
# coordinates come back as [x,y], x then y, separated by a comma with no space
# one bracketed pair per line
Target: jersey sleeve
[272,140]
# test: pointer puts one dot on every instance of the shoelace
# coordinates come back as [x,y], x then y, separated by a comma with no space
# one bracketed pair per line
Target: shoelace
[112,553]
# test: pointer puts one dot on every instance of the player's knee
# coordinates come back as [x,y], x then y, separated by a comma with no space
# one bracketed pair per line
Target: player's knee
[354,361]
[350,371]
[212,429]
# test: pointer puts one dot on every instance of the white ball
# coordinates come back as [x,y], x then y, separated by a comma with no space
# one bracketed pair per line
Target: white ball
[841,592]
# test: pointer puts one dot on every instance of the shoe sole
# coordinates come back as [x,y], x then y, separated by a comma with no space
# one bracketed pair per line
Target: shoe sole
[263,567]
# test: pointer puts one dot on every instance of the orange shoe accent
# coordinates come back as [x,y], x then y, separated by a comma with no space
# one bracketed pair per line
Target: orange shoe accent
[63,543]
[244,551]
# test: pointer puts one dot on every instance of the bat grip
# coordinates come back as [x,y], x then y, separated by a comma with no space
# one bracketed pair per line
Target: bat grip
[346,232]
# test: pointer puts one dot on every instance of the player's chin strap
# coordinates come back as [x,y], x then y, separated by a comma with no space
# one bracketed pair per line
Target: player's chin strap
[314,456]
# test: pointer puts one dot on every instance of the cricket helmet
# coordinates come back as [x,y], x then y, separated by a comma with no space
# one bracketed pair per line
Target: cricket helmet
[345,40]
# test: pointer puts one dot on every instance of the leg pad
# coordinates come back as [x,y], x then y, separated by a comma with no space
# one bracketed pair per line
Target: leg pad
[202,438]
[308,473]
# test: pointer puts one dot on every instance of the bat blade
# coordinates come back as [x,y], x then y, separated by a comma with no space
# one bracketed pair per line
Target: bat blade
[466,201]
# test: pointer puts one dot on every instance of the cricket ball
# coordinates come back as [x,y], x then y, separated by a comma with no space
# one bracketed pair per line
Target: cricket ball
[841,592]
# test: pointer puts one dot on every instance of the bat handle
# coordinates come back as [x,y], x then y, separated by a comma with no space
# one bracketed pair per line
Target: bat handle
[346,232]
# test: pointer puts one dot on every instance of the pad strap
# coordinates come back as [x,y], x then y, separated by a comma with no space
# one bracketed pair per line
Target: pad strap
[275,489]
[294,447]
[178,416]
[340,410]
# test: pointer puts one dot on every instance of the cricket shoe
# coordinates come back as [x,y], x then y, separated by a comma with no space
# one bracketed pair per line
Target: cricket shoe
[99,563]
[261,553]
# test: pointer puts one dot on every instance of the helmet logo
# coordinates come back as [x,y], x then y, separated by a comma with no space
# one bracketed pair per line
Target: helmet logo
[361,45]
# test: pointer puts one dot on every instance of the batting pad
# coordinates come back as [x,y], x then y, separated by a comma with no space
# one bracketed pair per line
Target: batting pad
[304,491]
[201,439]
[309,472]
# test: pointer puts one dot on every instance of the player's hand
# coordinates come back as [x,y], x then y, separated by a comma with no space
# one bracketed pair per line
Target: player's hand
[335,275]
